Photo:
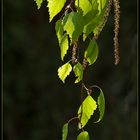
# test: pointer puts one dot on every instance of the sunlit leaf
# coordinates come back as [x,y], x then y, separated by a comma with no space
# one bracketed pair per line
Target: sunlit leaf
[91,53]
[64,71]
[83,136]
[62,39]
[86,110]
[73,25]
[55,6]
[89,26]
[78,70]
[38,2]
[102,4]
[102,17]
[59,30]
[101,105]
[64,45]
[96,21]
[86,5]
[65,131]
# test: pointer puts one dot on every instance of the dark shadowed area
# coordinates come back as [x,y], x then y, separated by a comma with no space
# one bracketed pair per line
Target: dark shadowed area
[37,103]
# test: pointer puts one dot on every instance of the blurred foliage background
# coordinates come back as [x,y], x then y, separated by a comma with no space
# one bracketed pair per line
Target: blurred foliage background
[37,103]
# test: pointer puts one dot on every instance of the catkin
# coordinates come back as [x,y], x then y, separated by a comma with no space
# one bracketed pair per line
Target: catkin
[74,53]
[116,30]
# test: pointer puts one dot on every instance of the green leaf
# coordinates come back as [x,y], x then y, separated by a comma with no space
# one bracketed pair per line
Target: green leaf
[64,71]
[96,21]
[86,5]
[59,30]
[88,28]
[78,70]
[64,45]
[73,25]
[65,131]
[102,4]
[86,110]
[102,18]
[90,15]
[101,105]
[38,2]
[62,39]
[89,10]
[91,53]
[83,136]
[55,6]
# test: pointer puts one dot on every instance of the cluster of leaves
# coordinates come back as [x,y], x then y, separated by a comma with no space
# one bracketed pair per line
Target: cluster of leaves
[84,113]
[86,17]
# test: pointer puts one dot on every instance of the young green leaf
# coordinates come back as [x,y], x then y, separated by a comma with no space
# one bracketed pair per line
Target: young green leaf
[83,136]
[102,4]
[90,15]
[78,70]
[73,25]
[91,53]
[65,131]
[59,30]
[64,45]
[86,110]
[86,5]
[101,105]
[96,21]
[64,71]
[62,39]
[55,6]
[101,19]
[38,2]
[89,23]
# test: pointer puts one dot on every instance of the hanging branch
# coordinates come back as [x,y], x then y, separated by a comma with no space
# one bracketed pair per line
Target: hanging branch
[81,19]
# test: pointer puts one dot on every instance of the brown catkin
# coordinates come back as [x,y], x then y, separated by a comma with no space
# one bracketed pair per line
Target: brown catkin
[74,53]
[116,30]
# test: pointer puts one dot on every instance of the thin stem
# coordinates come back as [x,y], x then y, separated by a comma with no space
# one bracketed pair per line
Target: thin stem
[86,89]
[95,87]
[74,118]
[71,9]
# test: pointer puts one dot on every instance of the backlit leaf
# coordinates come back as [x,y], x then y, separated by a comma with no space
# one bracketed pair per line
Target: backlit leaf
[62,39]
[83,136]
[64,71]
[91,53]
[73,25]
[102,4]
[78,70]
[59,30]
[101,19]
[38,2]
[64,45]
[96,21]
[101,105]
[65,131]
[86,5]
[86,110]
[55,6]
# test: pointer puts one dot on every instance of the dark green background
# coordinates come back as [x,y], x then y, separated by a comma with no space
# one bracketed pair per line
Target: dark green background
[37,103]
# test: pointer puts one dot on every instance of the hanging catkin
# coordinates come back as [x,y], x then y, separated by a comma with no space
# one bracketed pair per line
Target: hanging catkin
[116,30]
